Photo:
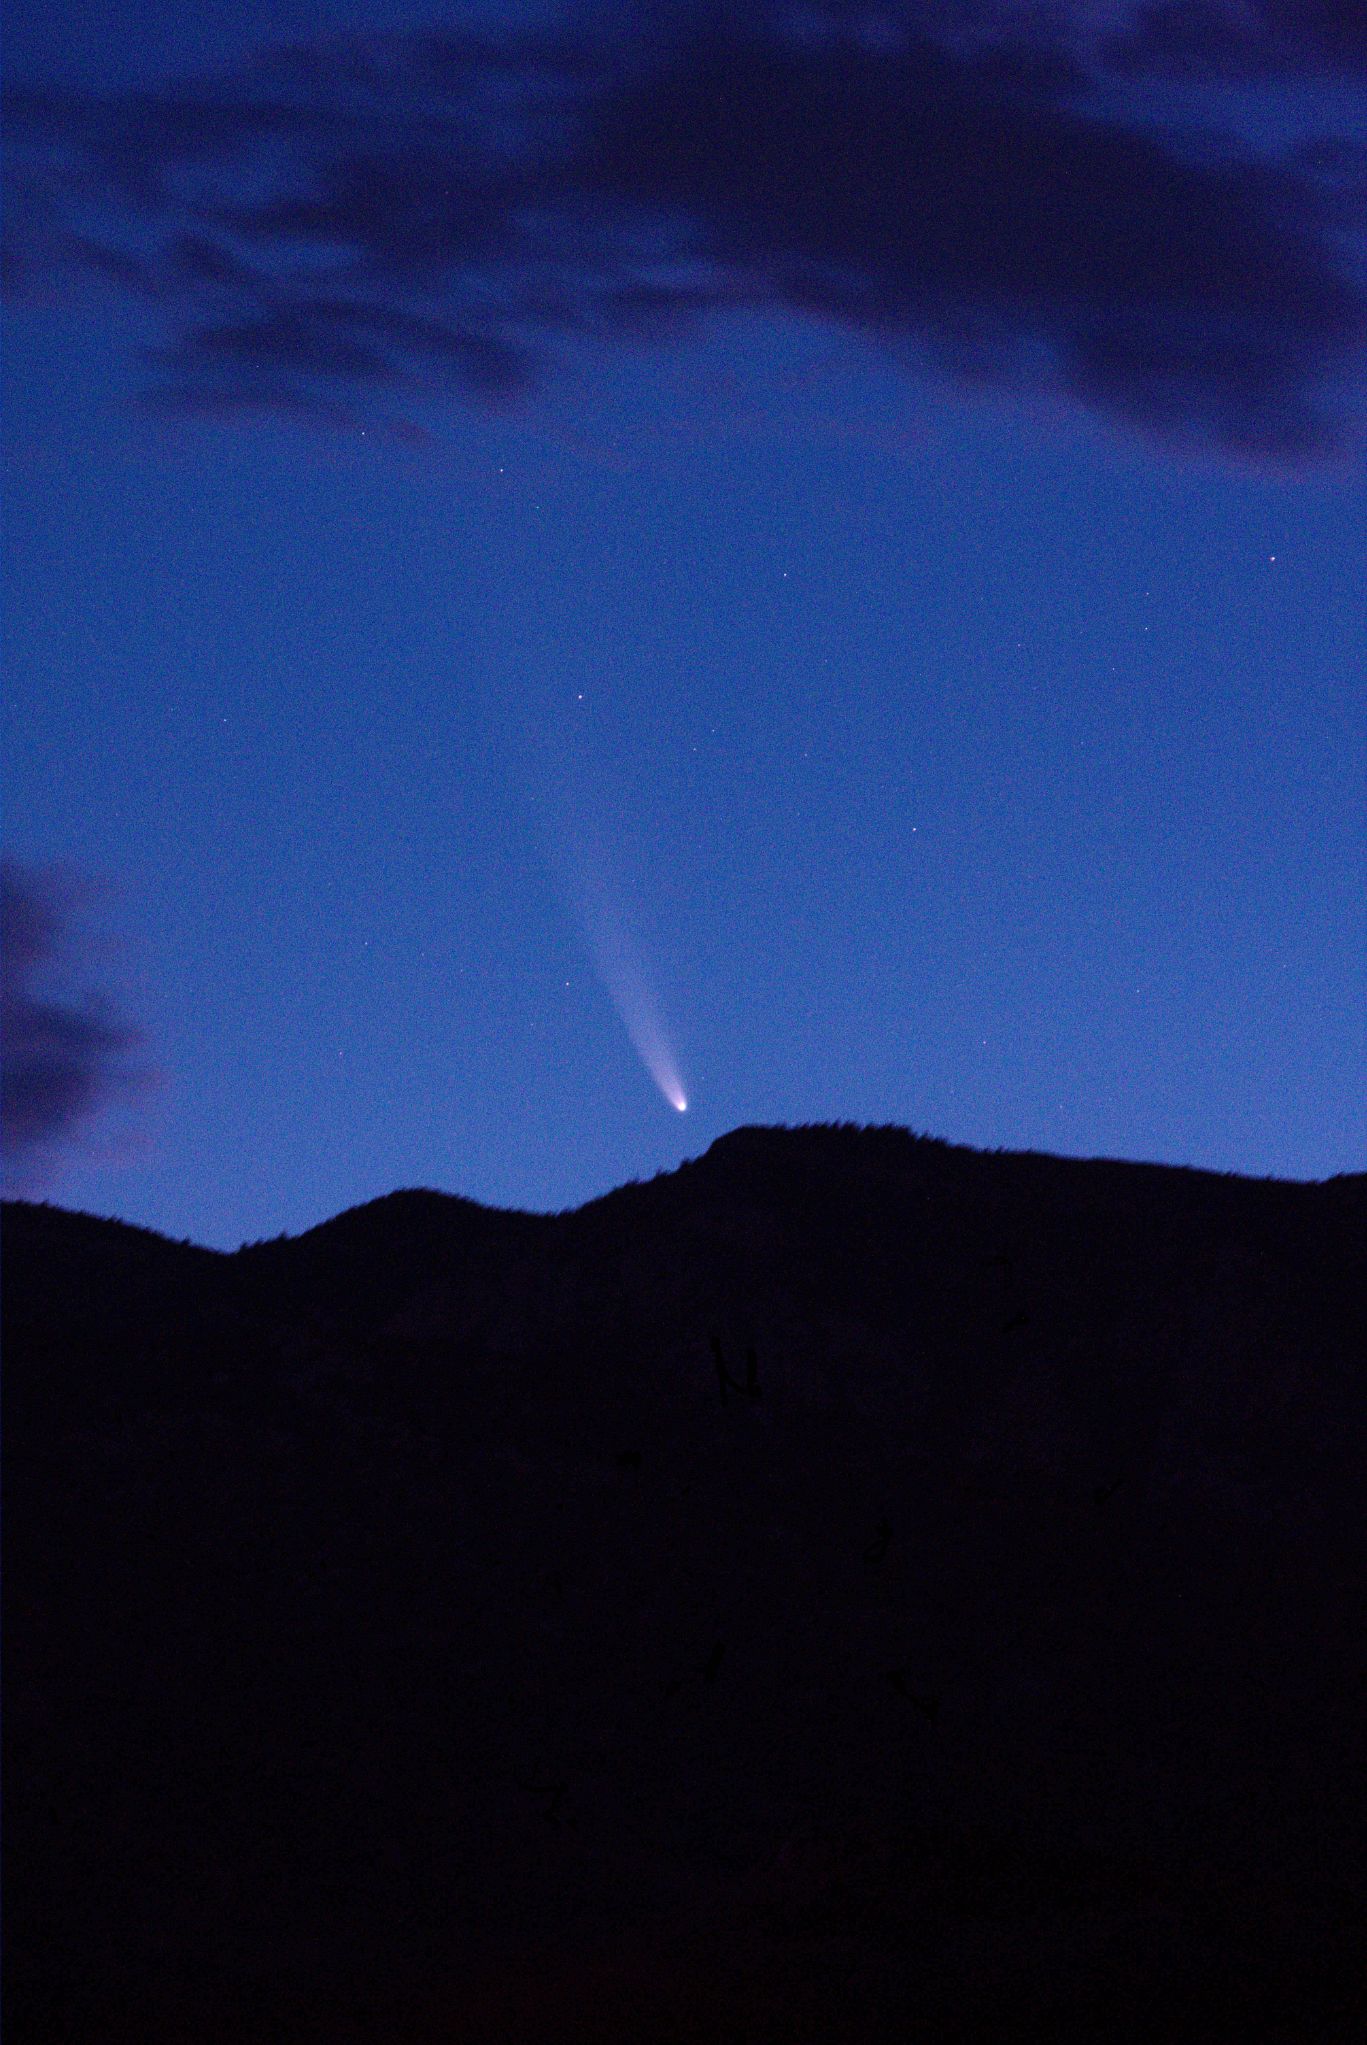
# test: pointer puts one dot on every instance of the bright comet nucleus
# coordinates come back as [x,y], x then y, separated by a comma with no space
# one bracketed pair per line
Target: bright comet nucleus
[635,1004]
[589,863]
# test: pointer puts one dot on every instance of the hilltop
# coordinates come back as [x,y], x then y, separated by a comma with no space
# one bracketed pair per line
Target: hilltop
[849,1587]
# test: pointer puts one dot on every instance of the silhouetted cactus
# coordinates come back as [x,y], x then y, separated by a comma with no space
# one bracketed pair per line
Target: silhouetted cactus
[725,1382]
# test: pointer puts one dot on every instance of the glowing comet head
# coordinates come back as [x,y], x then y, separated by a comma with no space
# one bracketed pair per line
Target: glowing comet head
[587,860]
[655,1054]
[634,1004]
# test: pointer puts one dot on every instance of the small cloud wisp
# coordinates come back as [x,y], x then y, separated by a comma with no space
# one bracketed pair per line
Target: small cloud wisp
[62,1061]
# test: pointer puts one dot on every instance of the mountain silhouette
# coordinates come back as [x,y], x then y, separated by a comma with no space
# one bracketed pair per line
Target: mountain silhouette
[852,1587]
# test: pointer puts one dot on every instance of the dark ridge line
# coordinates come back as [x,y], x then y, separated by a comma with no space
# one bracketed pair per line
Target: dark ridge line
[749,1139]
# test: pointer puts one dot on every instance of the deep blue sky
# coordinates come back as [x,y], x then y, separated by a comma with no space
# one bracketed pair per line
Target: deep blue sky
[979,752]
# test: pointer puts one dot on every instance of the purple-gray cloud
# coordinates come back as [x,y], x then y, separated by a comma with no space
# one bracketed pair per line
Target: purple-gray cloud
[1234,39]
[61,1061]
[349,222]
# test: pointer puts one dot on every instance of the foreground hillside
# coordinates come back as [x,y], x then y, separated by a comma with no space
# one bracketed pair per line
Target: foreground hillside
[848,1588]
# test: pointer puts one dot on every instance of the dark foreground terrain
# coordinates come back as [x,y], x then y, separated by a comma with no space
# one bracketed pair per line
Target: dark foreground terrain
[851,1588]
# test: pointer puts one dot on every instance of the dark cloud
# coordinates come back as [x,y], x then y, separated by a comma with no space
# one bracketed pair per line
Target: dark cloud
[348,223]
[61,1061]
[1233,39]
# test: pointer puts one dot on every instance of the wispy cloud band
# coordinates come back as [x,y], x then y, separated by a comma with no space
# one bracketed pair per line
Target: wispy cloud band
[349,221]
[61,1060]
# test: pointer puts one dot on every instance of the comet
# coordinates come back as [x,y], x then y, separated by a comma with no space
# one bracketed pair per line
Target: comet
[640,1018]
[588,858]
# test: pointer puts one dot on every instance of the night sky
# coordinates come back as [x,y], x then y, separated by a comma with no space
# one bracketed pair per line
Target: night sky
[808,560]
